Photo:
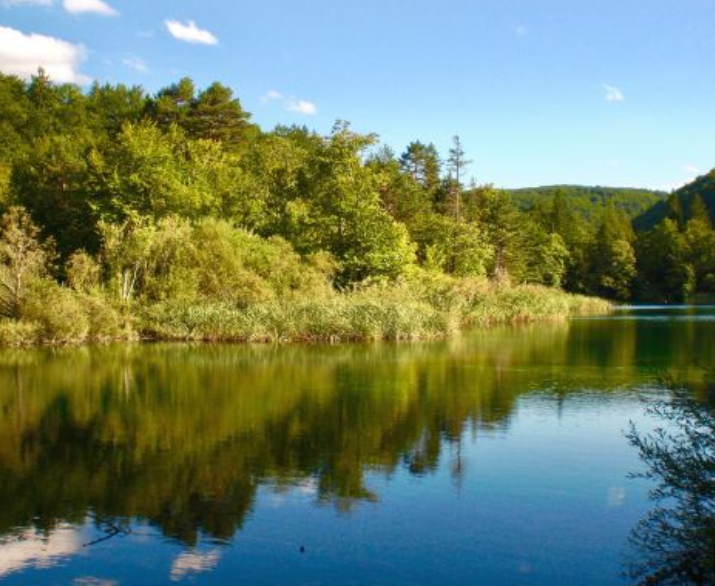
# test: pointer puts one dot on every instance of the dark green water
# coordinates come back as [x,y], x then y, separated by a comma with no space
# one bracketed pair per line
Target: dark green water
[498,458]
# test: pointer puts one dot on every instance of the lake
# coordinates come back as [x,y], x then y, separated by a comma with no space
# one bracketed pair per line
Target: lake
[496,458]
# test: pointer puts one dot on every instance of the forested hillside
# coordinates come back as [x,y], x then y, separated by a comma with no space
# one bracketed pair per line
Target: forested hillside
[676,244]
[587,200]
[679,205]
[173,215]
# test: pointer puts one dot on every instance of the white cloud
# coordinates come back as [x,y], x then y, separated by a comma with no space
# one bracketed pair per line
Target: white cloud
[22,55]
[271,96]
[89,6]
[290,104]
[190,33]
[136,63]
[301,107]
[613,94]
[27,2]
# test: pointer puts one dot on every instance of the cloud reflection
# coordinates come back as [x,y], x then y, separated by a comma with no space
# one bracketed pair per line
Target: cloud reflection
[36,550]
[194,562]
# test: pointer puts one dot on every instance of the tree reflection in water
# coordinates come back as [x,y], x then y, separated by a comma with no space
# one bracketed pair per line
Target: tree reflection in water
[675,543]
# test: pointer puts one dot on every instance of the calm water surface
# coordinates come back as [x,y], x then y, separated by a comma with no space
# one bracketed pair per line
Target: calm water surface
[497,458]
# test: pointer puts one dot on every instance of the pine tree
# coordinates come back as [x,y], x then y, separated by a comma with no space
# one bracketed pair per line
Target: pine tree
[700,241]
[421,162]
[613,259]
[216,115]
[456,164]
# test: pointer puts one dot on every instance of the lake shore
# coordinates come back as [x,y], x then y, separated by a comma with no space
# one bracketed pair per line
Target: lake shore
[429,309]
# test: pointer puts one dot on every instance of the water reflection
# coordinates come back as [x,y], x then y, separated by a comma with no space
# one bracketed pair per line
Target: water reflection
[32,549]
[182,441]
[675,543]
[183,436]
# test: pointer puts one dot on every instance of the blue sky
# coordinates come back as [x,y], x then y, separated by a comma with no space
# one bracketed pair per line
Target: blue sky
[540,91]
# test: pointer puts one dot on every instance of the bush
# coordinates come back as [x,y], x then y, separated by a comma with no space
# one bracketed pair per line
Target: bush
[18,333]
[105,322]
[83,272]
[58,312]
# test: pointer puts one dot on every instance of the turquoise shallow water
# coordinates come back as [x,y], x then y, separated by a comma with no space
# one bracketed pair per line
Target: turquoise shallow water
[496,458]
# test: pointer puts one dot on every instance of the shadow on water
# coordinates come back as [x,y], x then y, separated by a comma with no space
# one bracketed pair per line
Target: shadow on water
[674,545]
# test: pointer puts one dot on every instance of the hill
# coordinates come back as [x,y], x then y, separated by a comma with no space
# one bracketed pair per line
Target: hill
[680,202]
[585,199]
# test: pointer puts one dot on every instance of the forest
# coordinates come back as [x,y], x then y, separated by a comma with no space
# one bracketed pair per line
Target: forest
[172,215]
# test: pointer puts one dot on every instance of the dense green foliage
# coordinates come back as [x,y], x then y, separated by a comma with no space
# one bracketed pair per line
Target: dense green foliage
[140,208]
[588,201]
[679,206]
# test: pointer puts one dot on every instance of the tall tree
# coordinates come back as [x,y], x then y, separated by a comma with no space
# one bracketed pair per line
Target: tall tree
[217,115]
[675,211]
[456,164]
[340,211]
[54,184]
[23,259]
[700,243]
[501,223]
[172,104]
[613,260]
[112,106]
[421,162]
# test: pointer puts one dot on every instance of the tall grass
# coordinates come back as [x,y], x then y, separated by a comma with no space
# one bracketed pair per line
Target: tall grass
[422,306]
[408,310]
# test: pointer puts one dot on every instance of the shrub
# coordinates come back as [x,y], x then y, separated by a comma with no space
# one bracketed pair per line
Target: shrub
[83,272]
[105,322]
[58,312]
[18,333]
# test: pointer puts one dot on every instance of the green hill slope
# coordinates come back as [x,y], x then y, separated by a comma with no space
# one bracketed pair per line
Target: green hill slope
[682,199]
[585,199]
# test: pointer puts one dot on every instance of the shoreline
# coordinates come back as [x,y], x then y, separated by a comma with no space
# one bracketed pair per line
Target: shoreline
[390,313]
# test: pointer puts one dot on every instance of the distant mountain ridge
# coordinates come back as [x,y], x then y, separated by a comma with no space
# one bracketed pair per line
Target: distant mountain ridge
[704,186]
[633,201]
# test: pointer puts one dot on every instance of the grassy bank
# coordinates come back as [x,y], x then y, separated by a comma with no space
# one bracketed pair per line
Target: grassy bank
[420,307]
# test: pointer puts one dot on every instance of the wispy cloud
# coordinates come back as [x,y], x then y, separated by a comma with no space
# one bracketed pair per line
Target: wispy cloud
[301,107]
[136,63]
[22,54]
[290,104]
[521,30]
[691,174]
[691,170]
[271,96]
[613,94]
[190,33]
[89,7]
